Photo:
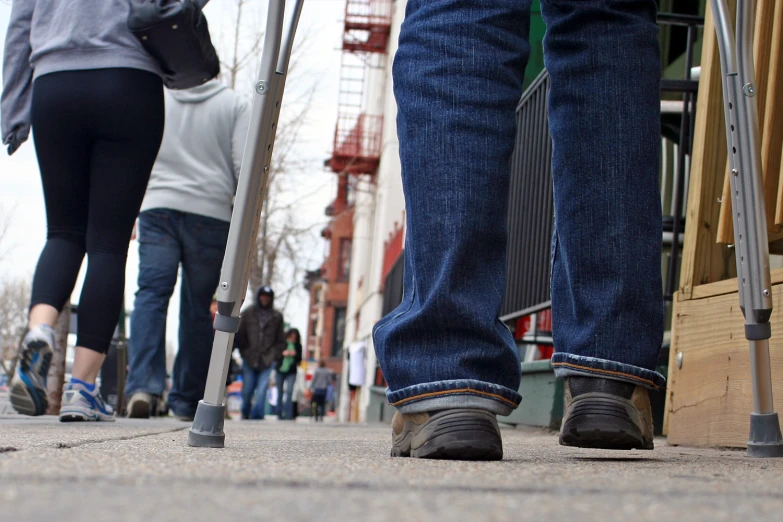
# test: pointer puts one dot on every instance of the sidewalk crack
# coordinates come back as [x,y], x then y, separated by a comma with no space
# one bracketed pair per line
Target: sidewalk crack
[63,445]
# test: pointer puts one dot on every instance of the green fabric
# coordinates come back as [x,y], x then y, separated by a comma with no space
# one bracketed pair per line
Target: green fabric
[535,63]
[288,360]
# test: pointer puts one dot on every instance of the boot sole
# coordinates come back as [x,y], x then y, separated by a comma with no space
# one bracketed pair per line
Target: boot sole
[452,435]
[602,423]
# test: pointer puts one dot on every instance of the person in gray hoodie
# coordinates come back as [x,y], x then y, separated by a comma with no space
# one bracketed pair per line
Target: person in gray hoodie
[184,222]
[74,73]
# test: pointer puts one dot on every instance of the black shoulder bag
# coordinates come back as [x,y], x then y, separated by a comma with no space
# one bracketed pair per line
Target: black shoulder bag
[175,33]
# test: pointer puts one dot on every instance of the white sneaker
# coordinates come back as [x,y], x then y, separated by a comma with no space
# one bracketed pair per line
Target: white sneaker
[81,404]
[28,389]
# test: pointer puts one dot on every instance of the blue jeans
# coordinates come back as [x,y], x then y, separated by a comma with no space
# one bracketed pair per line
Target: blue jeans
[168,239]
[285,402]
[457,80]
[255,384]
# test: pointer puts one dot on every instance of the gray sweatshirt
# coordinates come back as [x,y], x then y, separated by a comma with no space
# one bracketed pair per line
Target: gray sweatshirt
[46,36]
[197,168]
[322,378]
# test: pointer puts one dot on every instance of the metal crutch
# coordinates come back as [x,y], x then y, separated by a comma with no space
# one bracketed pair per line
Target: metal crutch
[207,429]
[749,215]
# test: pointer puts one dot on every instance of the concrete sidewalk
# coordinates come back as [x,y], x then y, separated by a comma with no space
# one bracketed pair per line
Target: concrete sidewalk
[270,470]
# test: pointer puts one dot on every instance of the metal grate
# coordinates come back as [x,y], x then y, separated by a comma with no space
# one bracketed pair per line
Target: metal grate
[530,205]
[367,25]
[357,143]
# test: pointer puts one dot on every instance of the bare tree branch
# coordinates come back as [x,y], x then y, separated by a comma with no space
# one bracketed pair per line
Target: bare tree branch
[14,300]
[6,218]
[282,236]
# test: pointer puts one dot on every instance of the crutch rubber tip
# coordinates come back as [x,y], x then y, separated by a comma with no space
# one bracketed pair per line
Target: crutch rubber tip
[207,429]
[765,438]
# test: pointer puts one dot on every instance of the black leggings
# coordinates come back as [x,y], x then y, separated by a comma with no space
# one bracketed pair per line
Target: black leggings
[97,134]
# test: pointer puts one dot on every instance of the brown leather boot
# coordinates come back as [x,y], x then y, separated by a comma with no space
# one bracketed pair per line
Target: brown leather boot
[454,434]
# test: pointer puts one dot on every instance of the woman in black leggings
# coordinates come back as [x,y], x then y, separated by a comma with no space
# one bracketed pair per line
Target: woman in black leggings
[95,101]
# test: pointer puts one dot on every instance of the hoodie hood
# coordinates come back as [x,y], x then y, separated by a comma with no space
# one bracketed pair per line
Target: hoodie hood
[199,93]
[258,298]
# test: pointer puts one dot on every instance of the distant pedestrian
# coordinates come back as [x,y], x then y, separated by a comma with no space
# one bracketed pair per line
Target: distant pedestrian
[322,378]
[272,397]
[261,342]
[286,374]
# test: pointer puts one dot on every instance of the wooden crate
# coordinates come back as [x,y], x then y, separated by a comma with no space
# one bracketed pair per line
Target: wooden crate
[709,398]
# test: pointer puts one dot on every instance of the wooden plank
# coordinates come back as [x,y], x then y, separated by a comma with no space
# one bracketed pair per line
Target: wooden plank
[773,123]
[771,118]
[728,286]
[725,232]
[672,361]
[780,189]
[762,52]
[710,398]
[704,261]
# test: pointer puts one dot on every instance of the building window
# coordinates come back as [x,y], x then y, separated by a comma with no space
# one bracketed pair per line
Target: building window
[338,333]
[344,262]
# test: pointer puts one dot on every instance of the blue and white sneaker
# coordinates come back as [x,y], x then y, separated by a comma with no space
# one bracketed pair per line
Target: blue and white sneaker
[28,389]
[83,402]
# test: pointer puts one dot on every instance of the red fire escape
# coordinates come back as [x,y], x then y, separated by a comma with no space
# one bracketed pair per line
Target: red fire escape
[358,136]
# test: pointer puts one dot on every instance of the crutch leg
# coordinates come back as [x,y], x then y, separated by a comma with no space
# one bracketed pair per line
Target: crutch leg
[749,215]
[207,429]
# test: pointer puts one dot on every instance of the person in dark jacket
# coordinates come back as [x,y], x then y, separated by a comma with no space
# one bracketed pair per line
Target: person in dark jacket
[261,342]
[286,374]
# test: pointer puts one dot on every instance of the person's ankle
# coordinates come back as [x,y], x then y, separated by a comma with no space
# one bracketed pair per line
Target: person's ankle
[88,385]
[43,326]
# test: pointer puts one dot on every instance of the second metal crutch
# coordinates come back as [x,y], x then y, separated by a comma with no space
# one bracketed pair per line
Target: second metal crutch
[207,429]
[749,215]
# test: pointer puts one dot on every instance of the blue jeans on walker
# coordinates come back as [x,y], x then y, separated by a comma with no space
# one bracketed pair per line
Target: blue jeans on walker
[457,80]
[255,384]
[167,239]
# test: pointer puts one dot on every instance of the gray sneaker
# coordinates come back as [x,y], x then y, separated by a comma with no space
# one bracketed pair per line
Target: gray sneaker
[606,414]
[28,389]
[455,434]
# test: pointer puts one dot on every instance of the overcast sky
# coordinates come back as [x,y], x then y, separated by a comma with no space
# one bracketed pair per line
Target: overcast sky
[321,22]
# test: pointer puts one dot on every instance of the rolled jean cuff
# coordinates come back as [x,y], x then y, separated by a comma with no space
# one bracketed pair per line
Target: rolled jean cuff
[566,365]
[464,393]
